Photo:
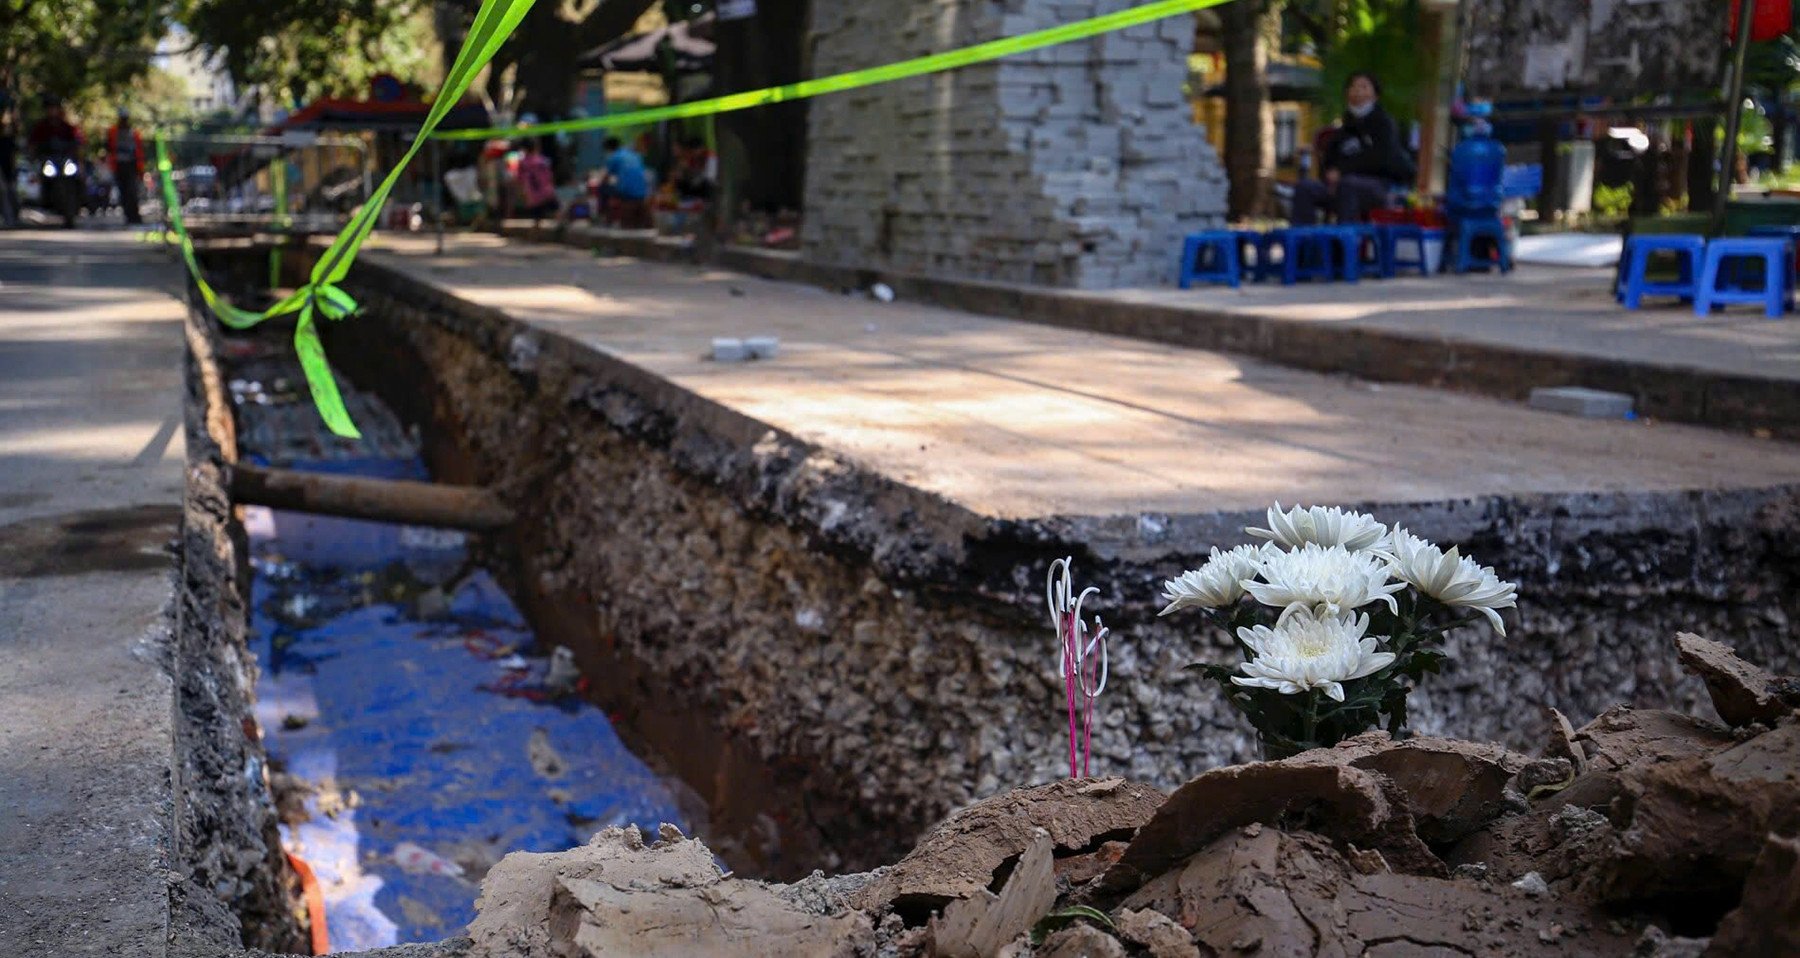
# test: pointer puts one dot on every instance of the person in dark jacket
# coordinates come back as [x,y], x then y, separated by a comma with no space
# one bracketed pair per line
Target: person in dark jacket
[1363,163]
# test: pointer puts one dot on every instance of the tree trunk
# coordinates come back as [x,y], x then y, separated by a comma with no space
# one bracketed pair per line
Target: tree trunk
[763,151]
[547,46]
[1778,129]
[1548,197]
[1703,179]
[1249,130]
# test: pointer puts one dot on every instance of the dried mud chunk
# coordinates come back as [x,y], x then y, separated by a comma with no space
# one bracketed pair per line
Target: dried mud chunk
[1691,828]
[1622,737]
[1452,788]
[1349,804]
[1741,693]
[979,925]
[960,856]
[1767,920]
[1156,933]
[1080,941]
[1283,894]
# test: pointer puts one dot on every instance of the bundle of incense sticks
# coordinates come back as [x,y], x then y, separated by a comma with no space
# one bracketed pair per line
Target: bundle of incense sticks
[1082,660]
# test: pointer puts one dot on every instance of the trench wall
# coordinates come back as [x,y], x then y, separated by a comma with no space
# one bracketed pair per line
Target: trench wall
[230,884]
[881,654]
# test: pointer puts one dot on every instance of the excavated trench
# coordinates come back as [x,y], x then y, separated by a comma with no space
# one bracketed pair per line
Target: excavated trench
[831,661]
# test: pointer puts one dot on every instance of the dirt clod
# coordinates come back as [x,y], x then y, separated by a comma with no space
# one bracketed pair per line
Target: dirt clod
[959,857]
[1741,692]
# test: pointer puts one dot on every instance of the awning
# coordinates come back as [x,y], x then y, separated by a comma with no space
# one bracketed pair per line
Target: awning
[688,40]
[329,114]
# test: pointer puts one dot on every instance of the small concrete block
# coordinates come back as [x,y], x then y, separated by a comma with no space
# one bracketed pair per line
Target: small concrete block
[763,347]
[726,350]
[1580,401]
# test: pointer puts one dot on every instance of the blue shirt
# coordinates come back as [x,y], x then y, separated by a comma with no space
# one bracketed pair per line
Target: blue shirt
[627,171]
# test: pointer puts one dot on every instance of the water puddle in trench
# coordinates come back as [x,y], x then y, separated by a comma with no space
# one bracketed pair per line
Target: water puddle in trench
[414,727]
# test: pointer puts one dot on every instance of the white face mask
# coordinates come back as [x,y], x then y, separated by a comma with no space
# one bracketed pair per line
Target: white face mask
[1361,111]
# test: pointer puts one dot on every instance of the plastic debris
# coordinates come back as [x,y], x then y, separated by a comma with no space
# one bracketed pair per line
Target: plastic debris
[728,350]
[418,860]
[563,672]
[882,292]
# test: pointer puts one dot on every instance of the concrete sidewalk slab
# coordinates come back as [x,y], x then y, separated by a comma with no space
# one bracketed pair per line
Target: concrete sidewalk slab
[90,488]
[1498,336]
[1014,419]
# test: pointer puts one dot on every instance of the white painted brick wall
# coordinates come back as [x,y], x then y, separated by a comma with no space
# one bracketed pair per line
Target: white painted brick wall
[1073,166]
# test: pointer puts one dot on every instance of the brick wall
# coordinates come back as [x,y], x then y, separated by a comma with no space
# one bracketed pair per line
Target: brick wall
[1076,165]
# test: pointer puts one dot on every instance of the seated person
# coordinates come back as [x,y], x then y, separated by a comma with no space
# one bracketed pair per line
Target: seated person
[624,187]
[1363,163]
[537,184]
[696,171]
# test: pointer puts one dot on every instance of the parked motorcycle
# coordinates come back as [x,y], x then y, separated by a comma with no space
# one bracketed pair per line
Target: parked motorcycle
[61,186]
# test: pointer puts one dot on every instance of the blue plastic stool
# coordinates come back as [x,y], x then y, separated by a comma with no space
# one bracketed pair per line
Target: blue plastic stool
[1389,236]
[1689,250]
[1211,257]
[1777,275]
[1347,241]
[1305,253]
[1470,230]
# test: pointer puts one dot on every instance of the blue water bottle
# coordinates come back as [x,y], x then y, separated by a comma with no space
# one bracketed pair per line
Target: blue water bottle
[1476,167]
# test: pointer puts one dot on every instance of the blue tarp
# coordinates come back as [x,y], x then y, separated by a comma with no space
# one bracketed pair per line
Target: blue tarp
[399,724]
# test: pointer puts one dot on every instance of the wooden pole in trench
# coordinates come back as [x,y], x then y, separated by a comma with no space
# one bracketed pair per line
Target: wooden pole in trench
[386,500]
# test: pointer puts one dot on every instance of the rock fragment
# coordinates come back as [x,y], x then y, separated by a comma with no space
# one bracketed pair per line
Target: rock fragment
[958,858]
[1080,941]
[1741,693]
[1767,919]
[1156,933]
[980,925]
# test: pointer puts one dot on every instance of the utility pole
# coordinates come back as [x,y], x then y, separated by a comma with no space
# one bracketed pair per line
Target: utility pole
[1734,109]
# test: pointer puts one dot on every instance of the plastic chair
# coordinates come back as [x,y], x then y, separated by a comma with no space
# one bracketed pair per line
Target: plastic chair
[1305,253]
[1470,230]
[1212,256]
[1777,281]
[1389,236]
[1348,241]
[1633,286]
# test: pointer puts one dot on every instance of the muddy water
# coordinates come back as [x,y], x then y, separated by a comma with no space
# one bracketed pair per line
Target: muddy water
[417,731]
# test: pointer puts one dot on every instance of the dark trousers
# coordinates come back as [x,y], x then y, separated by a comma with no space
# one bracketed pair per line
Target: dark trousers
[1350,202]
[129,182]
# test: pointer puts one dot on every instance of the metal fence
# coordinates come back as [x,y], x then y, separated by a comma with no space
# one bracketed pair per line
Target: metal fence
[301,181]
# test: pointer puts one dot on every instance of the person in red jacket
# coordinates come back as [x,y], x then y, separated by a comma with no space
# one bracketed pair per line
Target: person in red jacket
[125,151]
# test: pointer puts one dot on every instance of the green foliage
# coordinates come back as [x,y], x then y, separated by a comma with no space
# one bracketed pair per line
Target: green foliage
[1612,202]
[1289,724]
[1064,917]
[1379,37]
[303,49]
[78,49]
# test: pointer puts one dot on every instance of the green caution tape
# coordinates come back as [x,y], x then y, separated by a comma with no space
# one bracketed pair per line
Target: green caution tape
[493,24]
[320,296]
[837,83]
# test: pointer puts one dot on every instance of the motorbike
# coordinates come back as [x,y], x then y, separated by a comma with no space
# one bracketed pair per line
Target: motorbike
[61,187]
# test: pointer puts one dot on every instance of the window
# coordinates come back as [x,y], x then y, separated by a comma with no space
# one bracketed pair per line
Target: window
[1287,136]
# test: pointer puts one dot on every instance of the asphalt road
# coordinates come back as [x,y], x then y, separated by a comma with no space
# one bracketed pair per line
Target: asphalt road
[90,487]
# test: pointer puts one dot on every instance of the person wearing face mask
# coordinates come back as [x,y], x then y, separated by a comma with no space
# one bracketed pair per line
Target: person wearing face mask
[1365,160]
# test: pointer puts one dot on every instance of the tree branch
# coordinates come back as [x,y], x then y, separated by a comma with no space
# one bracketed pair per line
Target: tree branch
[611,19]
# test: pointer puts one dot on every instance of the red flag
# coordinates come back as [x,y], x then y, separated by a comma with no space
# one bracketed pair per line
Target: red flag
[1768,20]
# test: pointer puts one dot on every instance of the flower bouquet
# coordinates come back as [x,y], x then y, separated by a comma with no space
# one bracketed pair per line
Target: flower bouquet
[1335,615]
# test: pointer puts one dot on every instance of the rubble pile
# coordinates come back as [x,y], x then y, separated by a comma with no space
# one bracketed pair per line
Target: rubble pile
[1643,833]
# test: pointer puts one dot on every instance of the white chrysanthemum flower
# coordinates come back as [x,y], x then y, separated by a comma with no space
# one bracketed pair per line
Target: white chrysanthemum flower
[1323,580]
[1326,526]
[1218,583]
[1449,577]
[1304,653]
